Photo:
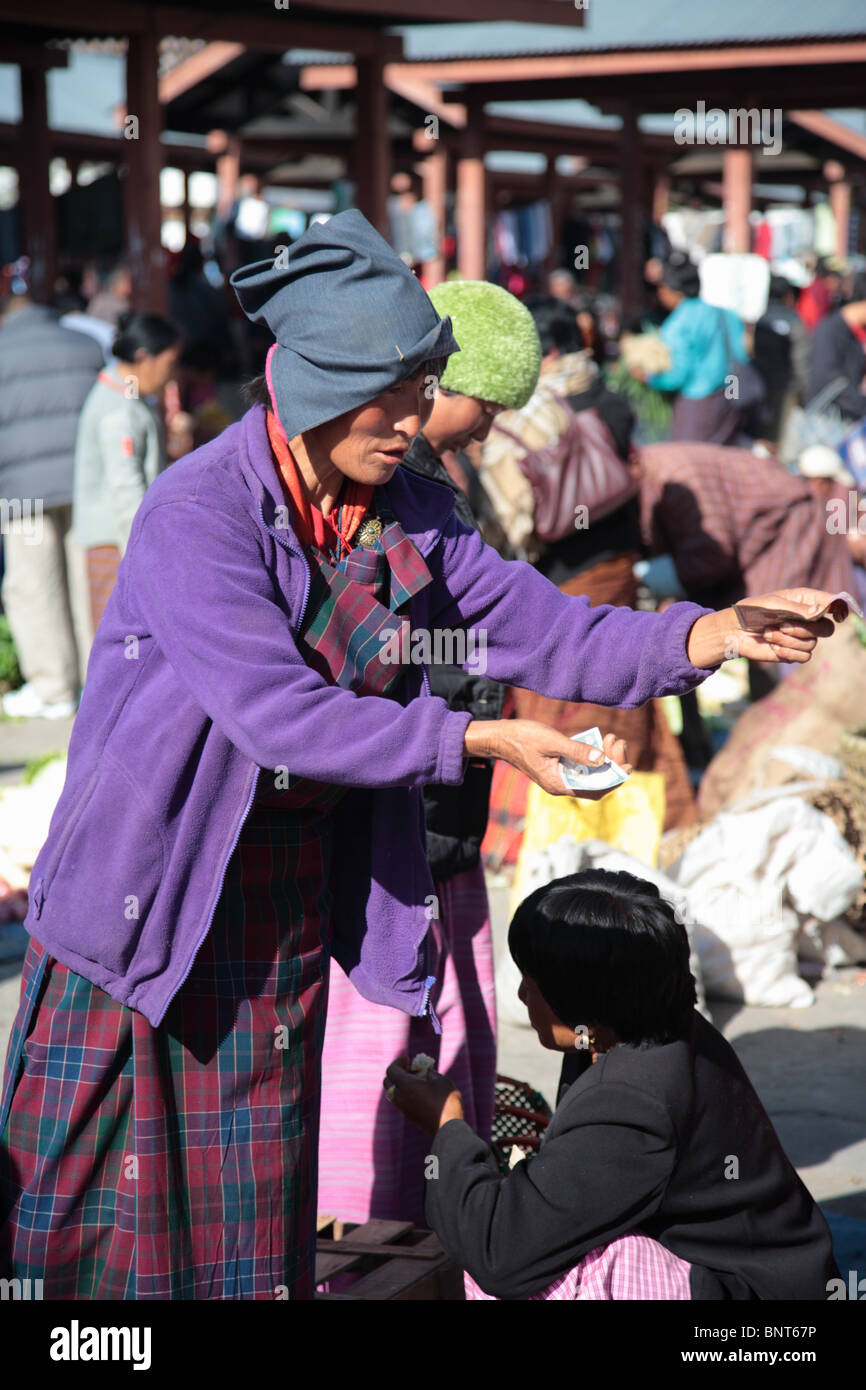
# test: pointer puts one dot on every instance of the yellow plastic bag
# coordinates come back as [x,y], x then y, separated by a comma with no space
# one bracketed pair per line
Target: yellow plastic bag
[629,818]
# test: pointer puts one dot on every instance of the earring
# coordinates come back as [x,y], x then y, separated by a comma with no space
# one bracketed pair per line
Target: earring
[584,1039]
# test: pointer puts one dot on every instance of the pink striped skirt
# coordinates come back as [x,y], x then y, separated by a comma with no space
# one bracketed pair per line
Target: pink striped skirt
[632,1267]
[371,1159]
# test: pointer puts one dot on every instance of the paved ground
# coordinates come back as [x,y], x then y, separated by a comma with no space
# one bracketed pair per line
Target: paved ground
[808,1065]
[21,740]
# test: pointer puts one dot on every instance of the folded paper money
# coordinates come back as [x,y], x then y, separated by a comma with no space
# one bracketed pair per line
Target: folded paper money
[578,777]
[837,607]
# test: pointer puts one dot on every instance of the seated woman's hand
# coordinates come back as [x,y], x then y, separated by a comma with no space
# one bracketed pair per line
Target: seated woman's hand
[535,750]
[428,1101]
[772,627]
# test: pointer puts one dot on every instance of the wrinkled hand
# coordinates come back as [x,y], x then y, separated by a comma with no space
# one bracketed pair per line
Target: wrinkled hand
[427,1102]
[772,627]
[535,749]
[766,632]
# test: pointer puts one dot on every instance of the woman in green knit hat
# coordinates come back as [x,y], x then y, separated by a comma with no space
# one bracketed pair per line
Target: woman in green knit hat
[370,1157]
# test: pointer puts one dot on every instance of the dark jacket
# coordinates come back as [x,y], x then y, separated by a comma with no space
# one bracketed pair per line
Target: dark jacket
[671,1140]
[837,353]
[782,349]
[45,374]
[456,816]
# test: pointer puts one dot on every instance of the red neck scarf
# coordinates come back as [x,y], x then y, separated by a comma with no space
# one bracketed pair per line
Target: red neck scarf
[311,526]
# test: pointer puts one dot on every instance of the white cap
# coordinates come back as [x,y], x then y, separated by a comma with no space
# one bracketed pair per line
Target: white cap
[792,271]
[820,461]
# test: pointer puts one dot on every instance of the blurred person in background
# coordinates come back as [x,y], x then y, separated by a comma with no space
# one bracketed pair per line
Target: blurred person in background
[735,522]
[822,296]
[702,341]
[46,372]
[839,352]
[107,288]
[782,354]
[368,1153]
[198,308]
[120,446]
[830,481]
[561,284]
[597,561]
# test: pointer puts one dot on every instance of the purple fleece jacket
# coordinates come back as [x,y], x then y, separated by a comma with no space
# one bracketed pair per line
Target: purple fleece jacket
[195,684]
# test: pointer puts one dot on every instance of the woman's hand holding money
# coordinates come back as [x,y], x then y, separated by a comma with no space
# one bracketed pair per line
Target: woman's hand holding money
[773,627]
[535,749]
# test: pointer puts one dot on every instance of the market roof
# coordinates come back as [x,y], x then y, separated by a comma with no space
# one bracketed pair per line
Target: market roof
[634,25]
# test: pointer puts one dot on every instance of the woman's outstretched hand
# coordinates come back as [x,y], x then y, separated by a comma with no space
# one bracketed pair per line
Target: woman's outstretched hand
[429,1102]
[773,627]
[535,750]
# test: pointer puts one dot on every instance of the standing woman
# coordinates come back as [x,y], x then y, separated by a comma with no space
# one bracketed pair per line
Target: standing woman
[120,447]
[243,796]
[369,1154]
[702,341]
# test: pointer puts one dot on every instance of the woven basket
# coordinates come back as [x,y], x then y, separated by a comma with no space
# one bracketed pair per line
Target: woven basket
[520,1118]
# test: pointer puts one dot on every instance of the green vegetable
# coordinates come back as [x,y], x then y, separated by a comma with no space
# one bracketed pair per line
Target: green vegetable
[10,672]
[653,408]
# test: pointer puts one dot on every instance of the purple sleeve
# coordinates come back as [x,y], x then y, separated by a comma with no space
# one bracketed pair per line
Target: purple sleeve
[532,635]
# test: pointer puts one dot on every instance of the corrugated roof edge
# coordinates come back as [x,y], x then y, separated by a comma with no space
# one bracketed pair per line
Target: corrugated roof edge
[586,50]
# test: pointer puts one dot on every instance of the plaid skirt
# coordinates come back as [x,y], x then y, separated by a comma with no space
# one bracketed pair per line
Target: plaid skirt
[179,1162]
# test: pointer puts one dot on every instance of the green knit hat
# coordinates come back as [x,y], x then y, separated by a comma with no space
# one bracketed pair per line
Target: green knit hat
[500,353]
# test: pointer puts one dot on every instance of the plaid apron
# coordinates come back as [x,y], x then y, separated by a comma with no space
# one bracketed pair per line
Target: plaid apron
[180,1162]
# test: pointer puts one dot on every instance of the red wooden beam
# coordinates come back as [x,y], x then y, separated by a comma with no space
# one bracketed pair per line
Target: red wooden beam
[277,30]
[830,130]
[640,62]
[37,204]
[143,160]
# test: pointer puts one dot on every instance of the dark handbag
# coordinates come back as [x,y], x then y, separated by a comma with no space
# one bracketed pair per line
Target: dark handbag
[751,390]
[579,469]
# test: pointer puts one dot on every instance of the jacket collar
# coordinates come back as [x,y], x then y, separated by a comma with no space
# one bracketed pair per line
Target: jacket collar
[421,505]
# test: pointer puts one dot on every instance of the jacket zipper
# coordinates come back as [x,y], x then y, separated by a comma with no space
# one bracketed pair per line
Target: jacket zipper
[252,794]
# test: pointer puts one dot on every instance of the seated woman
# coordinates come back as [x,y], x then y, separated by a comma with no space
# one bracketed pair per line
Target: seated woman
[660,1175]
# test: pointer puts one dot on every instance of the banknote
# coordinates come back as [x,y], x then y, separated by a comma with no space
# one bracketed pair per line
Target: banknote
[577,777]
[838,607]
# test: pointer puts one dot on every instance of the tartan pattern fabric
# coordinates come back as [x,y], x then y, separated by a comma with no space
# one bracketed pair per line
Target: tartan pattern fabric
[736,524]
[344,635]
[634,1267]
[180,1162]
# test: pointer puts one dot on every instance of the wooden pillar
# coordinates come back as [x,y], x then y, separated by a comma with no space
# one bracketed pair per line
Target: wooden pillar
[840,203]
[631,230]
[660,195]
[35,200]
[434,178]
[472,199]
[372,143]
[737,198]
[143,159]
[186,207]
[554,195]
[227,149]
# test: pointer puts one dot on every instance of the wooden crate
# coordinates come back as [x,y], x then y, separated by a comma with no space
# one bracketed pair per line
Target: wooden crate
[383,1260]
